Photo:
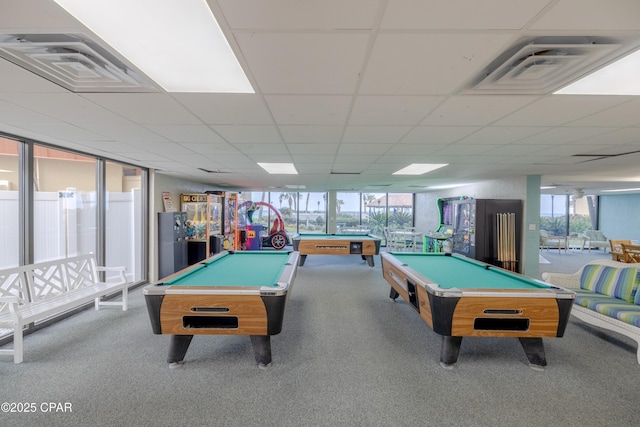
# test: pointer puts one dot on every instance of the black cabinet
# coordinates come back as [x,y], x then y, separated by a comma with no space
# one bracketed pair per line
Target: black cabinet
[172,245]
[480,231]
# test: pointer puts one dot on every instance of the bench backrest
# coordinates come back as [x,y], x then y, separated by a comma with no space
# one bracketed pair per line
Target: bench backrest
[48,279]
[40,281]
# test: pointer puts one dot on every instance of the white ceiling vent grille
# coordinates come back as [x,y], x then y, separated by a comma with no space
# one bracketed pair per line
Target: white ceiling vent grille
[72,61]
[543,65]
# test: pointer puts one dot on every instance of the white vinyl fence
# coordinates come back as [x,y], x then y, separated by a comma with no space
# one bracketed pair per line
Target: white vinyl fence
[65,225]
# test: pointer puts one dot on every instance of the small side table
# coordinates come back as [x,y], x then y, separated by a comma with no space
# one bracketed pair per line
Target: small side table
[572,242]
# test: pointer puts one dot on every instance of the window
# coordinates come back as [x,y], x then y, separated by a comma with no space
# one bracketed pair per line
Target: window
[9,204]
[124,221]
[312,212]
[347,212]
[64,207]
[564,215]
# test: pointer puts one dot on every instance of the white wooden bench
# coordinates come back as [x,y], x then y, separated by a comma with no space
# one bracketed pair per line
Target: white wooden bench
[36,292]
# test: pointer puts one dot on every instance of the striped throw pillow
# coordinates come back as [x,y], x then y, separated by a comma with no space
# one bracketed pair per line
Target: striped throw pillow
[612,281]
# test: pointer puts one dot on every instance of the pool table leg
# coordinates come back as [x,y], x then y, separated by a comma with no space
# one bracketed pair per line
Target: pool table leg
[262,350]
[303,258]
[534,349]
[449,350]
[394,294]
[178,348]
[369,259]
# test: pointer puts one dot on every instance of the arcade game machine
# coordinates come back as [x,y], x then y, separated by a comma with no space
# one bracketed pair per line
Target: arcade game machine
[258,233]
[440,239]
[203,225]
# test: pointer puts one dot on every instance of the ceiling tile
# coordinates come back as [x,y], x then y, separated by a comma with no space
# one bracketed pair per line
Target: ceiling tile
[461,14]
[304,63]
[428,64]
[300,15]
[392,110]
[309,110]
[375,134]
[248,134]
[475,110]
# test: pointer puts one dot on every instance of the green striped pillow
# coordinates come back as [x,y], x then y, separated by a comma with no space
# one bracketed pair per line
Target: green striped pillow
[612,281]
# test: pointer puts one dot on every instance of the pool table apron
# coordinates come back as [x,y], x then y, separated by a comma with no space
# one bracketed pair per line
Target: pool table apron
[336,247]
[182,314]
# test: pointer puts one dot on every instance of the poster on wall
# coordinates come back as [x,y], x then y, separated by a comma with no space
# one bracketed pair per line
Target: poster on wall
[168,204]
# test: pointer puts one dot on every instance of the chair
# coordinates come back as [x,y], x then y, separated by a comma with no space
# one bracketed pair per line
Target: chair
[596,239]
[547,241]
[400,241]
[388,237]
[616,249]
[631,252]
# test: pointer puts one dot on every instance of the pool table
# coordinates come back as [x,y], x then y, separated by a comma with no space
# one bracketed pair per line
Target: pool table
[241,293]
[458,296]
[365,245]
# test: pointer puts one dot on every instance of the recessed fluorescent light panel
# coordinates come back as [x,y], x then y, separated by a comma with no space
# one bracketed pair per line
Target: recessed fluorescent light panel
[279,168]
[618,78]
[446,186]
[620,190]
[178,44]
[548,187]
[419,168]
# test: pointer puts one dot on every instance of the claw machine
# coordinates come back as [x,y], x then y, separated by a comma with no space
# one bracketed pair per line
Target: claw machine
[204,218]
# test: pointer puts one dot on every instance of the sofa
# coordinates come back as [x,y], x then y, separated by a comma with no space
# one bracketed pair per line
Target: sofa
[596,239]
[607,295]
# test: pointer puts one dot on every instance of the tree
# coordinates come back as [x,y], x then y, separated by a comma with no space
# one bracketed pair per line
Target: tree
[291,199]
[367,198]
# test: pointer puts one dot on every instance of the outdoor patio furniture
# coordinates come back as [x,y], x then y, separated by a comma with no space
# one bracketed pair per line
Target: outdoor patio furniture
[631,252]
[550,241]
[616,249]
[596,239]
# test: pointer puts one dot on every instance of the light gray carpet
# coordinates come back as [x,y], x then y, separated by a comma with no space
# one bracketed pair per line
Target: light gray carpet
[347,356]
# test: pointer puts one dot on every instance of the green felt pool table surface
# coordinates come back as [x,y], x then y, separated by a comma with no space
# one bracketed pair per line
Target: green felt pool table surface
[247,268]
[464,273]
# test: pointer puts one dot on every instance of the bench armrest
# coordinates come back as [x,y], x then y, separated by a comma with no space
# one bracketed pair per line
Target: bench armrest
[120,270]
[13,303]
[570,281]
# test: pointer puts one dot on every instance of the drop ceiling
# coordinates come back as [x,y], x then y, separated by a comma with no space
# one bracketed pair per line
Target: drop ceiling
[352,91]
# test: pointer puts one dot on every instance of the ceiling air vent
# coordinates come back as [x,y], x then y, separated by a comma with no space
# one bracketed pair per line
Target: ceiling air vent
[542,65]
[72,61]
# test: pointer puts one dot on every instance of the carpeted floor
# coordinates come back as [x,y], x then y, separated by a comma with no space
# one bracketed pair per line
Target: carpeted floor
[569,261]
[347,356]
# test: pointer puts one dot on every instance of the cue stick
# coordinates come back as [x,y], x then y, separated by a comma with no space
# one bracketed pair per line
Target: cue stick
[500,254]
[499,237]
[512,231]
[499,233]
